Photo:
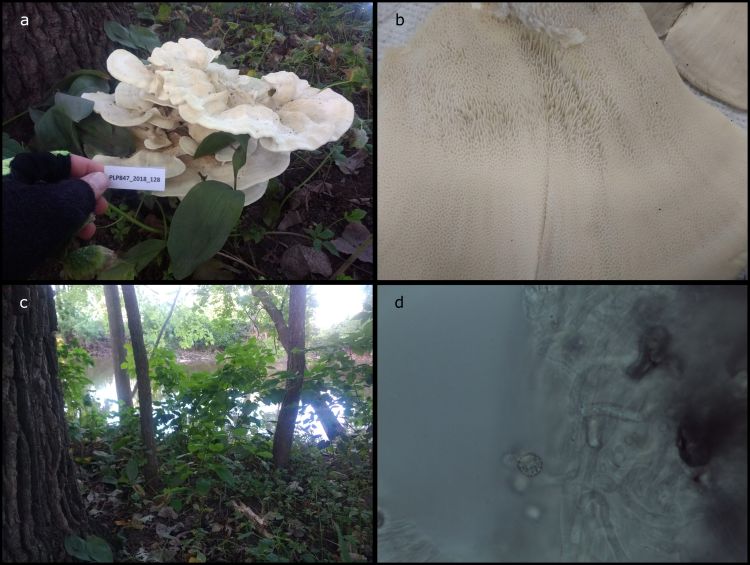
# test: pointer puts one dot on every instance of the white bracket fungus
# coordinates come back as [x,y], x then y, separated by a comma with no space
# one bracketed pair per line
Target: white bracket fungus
[181,90]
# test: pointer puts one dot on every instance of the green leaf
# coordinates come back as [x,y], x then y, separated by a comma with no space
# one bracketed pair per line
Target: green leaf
[99,137]
[35,114]
[76,546]
[99,550]
[118,34]
[75,107]
[88,83]
[203,485]
[121,270]
[272,212]
[11,147]
[55,131]
[144,38]
[110,480]
[176,504]
[165,10]
[122,442]
[132,470]
[213,143]
[224,474]
[144,252]
[240,156]
[265,454]
[355,215]
[201,225]
[217,447]
[84,263]
[65,83]
[331,248]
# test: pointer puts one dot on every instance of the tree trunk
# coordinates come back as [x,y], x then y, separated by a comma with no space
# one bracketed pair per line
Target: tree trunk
[151,470]
[328,420]
[292,337]
[41,502]
[117,334]
[61,37]
[295,350]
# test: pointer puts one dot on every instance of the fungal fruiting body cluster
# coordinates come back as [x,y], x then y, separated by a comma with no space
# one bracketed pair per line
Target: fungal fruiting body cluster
[173,103]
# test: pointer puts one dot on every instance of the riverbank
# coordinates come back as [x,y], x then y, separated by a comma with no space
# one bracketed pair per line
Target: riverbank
[103,350]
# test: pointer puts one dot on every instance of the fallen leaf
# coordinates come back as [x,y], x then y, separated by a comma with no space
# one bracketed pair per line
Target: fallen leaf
[350,165]
[299,261]
[291,218]
[353,235]
[168,512]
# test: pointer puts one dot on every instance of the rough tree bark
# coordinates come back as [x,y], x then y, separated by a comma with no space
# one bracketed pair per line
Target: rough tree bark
[151,470]
[117,334]
[61,37]
[41,502]
[292,337]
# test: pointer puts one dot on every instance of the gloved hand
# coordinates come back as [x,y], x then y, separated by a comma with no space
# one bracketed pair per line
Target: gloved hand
[46,199]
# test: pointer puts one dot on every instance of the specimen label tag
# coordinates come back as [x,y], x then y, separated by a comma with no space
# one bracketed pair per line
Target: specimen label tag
[135,178]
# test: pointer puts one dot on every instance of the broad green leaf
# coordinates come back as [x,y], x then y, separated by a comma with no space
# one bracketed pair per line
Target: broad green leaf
[99,137]
[76,546]
[203,485]
[224,474]
[201,225]
[132,470]
[86,262]
[99,550]
[55,131]
[35,114]
[144,252]
[213,143]
[217,447]
[75,107]
[103,455]
[88,83]
[65,83]
[118,34]
[176,504]
[110,480]
[121,270]
[265,455]
[11,147]
[144,38]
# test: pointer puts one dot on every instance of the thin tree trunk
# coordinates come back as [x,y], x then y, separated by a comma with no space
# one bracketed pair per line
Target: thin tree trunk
[41,502]
[151,470]
[117,334]
[328,420]
[292,337]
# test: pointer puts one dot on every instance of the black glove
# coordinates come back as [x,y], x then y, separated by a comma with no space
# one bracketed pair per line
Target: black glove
[42,209]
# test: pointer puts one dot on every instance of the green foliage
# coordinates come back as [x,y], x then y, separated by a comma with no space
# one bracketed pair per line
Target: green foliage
[81,313]
[202,224]
[134,37]
[93,548]
[11,147]
[321,237]
[72,362]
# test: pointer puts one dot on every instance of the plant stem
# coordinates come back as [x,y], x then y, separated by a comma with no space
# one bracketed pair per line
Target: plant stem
[6,122]
[241,262]
[353,257]
[131,219]
[304,182]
